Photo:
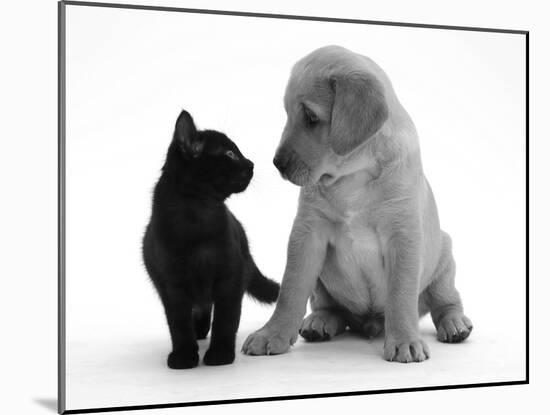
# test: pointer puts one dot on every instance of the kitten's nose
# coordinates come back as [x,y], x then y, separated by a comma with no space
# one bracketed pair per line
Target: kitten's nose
[248,172]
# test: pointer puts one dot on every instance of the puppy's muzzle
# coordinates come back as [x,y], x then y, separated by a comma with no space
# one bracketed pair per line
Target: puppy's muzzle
[280,163]
[284,161]
[291,167]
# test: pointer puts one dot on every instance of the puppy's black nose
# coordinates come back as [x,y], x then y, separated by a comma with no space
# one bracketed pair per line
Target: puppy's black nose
[279,163]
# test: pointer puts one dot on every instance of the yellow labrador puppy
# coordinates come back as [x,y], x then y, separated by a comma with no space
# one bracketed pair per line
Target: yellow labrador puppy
[366,248]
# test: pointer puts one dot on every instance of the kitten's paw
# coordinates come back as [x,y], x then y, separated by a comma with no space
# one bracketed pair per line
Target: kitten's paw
[217,357]
[322,325]
[454,328]
[183,360]
[413,350]
[268,341]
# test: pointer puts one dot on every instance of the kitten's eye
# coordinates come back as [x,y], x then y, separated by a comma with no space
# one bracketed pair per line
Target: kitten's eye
[231,155]
[311,117]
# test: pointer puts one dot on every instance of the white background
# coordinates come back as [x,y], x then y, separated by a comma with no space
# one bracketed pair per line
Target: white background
[31,159]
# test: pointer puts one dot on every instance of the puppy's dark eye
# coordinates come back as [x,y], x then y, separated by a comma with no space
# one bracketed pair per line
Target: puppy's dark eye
[311,117]
[231,155]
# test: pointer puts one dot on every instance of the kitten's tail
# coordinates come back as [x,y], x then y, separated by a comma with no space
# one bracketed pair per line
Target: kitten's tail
[262,288]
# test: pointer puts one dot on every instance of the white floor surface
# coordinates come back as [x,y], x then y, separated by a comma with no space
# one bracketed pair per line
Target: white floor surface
[123,370]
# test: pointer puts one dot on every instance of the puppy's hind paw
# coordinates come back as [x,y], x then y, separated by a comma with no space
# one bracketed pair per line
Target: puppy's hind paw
[372,327]
[322,325]
[454,328]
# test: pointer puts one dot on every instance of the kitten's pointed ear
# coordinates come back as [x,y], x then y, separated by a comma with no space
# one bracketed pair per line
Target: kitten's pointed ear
[187,136]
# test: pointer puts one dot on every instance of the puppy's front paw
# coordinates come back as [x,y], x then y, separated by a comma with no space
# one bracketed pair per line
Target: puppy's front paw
[268,341]
[322,325]
[454,328]
[414,350]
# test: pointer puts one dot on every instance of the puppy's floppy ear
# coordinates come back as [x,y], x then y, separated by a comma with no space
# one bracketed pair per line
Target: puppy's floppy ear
[187,136]
[358,111]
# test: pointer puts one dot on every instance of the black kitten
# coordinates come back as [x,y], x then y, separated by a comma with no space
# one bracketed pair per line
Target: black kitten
[195,250]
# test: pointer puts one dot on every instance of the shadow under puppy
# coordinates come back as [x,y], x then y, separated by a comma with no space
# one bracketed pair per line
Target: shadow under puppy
[195,251]
[366,246]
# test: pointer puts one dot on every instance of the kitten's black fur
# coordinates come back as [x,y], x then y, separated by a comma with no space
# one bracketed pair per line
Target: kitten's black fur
[195,250]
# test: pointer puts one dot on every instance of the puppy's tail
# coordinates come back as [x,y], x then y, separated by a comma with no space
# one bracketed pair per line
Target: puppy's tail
[262,288]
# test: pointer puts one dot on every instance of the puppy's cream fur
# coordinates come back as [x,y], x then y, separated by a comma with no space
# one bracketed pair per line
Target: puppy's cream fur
[366,247]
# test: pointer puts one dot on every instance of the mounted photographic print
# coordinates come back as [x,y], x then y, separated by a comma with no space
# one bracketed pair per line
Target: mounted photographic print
[260,207]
